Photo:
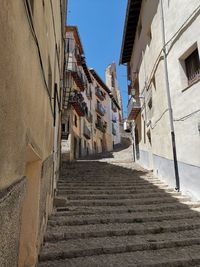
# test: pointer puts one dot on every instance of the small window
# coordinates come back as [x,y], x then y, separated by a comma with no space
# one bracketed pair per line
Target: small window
[150,103]
[192,65]
[63,127]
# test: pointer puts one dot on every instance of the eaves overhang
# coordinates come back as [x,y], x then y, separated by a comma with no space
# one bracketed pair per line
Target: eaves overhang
[74,29]
[130,28]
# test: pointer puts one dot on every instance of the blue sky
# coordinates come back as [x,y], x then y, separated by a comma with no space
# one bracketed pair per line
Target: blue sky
[100,24]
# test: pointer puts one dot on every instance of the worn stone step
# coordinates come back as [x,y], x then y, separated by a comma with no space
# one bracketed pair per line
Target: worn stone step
[114,245]
[134,208]
[97,188]
[128,202]
[121,218]
[57,233]
[117,192]
[112,183]
[120,196]
[116,184]
[168,257]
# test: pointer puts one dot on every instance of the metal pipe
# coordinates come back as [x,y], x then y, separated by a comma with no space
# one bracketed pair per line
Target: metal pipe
[173,139]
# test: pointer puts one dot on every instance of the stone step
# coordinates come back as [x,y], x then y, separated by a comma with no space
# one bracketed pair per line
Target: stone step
[121,182]
[114,245]
[116,192]
[168,257]
[55,220]
[116,184]
[128,202]
[94,188]
[117,210]
[120,196]
[58,233]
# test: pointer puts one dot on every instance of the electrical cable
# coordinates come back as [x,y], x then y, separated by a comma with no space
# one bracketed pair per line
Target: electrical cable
[188,116]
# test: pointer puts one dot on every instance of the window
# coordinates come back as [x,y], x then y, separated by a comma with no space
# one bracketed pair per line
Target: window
[192,65]
[150,103]
[63,127]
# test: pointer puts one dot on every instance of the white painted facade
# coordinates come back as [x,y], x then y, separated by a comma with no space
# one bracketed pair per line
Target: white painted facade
[154,149]
[115,114]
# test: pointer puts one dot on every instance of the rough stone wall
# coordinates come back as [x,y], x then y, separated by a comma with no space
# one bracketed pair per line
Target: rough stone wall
[10,215]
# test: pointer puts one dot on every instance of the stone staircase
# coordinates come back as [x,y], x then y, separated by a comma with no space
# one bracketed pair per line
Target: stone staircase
[118,216]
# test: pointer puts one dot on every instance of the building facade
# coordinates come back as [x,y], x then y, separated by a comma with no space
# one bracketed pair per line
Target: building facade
[116,116]
[163,66]
[31,90]
[87,116]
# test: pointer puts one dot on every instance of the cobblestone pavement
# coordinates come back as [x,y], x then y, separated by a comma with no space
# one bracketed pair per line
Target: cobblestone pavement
[118,214]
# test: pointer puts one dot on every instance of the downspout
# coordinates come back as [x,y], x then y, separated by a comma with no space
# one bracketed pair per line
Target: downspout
[173,139]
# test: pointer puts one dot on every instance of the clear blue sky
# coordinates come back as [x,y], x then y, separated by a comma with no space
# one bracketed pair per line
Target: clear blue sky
[100,24]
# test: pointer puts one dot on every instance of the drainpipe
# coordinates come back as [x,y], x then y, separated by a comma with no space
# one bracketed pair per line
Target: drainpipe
[173,139]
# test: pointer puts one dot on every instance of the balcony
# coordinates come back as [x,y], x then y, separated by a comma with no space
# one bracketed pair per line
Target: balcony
[101,125]
[113,129]
[86,132]
[89,117]
[114,108]
[77,75]
[99,93]
[89,94]
[100,109]
[77,55]
[114,118]
[134,108]
[78,104]
[64,136]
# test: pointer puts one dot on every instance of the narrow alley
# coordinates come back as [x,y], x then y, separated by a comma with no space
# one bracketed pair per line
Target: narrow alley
[120,215]
[100,133]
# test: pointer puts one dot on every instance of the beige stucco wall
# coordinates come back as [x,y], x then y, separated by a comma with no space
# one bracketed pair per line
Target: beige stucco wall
[26,116]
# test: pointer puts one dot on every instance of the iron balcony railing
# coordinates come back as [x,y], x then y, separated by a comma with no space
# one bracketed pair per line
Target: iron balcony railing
[113,129]
[86,132]
[100,109]
[77,101]
[89,93]
[89,117]
[77,75]
[194,77]
[114,108]
[64,135]
[101,125]
[134,108]
[114,118]
[99,93]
